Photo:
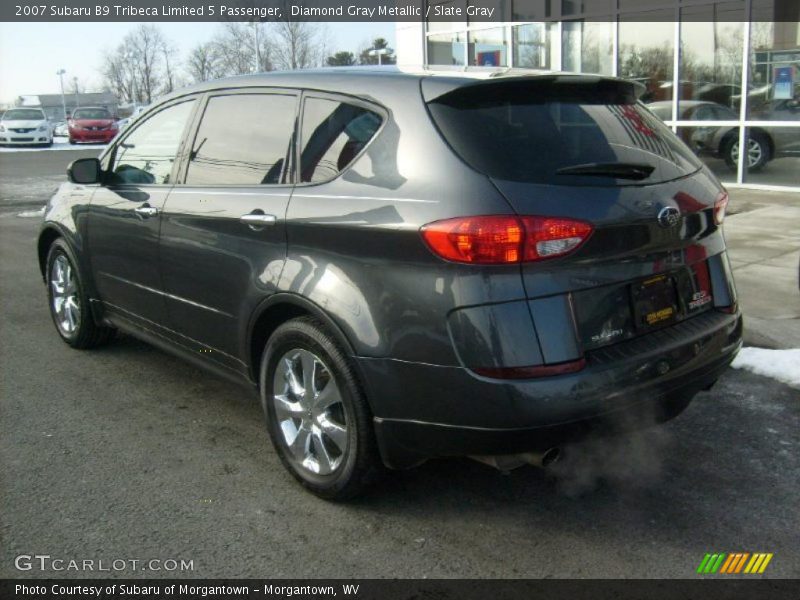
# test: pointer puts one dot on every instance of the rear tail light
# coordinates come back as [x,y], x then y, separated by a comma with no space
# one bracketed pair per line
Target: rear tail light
[500,239]
[719,208]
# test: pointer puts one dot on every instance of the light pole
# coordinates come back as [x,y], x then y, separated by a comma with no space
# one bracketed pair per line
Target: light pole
[75,83]
[258,50]
[379,52]
[60,74]
[129,58]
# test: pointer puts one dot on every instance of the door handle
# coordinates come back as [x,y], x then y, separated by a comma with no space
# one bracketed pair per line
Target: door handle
[146,211]
[258,220]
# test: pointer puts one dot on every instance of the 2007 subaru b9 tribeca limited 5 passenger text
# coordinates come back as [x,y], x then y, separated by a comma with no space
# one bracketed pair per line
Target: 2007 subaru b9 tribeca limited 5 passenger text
[406,266]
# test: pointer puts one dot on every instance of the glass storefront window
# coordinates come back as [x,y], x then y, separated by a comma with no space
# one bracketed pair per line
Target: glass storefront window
[646,51]
[711,56]
[587,47]
[773,155]
[445,22]
[774,92]
[532,46]
[578,7]
[488,47]
[446,49]
[530,10]
[713,145]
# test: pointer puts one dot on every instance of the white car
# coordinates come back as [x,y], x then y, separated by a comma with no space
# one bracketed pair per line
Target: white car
[25,127]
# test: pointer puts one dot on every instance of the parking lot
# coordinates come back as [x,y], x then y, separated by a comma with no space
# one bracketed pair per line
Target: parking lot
[129,453]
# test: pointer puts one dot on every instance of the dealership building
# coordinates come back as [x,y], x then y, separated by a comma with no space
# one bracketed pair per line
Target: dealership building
[716,72]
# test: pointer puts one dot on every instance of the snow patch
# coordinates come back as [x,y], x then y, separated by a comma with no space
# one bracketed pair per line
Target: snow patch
[28,214]
[783,365]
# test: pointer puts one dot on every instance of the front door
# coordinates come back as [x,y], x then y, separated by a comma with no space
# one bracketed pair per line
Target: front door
[125,215]
[223,239]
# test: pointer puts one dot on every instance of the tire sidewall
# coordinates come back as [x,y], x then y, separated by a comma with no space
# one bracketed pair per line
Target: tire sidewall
[61,248]
[303,335]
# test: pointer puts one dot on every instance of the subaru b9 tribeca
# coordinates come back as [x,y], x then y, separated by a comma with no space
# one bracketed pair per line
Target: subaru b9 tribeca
[406,266]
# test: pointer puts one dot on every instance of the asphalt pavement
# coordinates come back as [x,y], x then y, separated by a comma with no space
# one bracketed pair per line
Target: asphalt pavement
[127,453]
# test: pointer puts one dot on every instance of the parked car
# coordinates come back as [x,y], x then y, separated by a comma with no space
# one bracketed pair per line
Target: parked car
[60,129]
[763,145]
[91,125]
[25,127]
[406,266]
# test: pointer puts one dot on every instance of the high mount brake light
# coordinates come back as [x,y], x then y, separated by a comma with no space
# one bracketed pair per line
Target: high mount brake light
[504,239]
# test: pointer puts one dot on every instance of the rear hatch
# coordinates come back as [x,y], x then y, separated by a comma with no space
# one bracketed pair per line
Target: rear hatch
[583,148]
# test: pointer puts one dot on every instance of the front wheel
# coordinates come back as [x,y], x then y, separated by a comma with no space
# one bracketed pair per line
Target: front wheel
[317,416]
[69,304]
[758,153]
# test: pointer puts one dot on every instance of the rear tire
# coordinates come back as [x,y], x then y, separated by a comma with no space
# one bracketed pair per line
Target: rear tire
[317,416]
[68,301]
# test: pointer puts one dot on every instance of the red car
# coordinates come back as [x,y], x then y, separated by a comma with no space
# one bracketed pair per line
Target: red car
[91,125]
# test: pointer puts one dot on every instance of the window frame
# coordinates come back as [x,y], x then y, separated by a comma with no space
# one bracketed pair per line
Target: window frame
[191,136]
[107,157]
[381,111]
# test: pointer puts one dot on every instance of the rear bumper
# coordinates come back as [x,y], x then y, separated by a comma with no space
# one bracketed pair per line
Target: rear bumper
[423,411]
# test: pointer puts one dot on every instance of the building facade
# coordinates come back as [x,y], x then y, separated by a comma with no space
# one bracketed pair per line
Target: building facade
[717,72]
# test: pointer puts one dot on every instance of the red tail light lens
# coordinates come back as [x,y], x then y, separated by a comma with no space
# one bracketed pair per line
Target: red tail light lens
[499,239]
[719,208]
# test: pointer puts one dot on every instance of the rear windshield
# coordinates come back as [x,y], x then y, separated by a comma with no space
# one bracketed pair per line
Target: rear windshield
[528,131]
[91,113]
[23,114]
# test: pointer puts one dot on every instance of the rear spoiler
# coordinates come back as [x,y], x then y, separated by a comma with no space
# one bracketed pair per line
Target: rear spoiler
[436,87]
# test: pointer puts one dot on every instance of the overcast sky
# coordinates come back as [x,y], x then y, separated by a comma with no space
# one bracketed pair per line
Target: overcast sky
[31,53]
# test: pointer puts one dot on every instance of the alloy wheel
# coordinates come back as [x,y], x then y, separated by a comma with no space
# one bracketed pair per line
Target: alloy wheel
[310,413]
[754,152]
[66,303]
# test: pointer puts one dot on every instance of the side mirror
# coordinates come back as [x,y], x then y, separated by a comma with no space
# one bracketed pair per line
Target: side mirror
[84,170]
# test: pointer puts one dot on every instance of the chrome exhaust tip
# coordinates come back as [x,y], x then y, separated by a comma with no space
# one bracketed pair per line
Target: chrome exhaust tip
[508,462]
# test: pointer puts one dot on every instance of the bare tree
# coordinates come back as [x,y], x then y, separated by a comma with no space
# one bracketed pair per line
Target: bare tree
[241,48]
[298,45]
[203,62]
[169,53]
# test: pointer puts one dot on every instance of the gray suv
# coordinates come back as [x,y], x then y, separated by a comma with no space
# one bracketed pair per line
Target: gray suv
[406,266]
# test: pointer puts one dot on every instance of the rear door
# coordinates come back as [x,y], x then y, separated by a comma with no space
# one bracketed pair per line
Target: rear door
[125,214]
[223,239]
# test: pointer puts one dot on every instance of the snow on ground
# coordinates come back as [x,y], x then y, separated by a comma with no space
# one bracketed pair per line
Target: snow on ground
[59,143]
[783,365]
[29,214]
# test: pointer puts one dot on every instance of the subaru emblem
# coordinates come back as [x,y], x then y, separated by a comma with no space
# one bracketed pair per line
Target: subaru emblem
[669,216]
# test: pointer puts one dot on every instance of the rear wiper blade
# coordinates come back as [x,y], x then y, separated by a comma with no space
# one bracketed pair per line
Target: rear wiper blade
[618,170]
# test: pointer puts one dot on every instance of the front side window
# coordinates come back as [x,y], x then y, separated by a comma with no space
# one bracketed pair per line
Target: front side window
[148,154]
[243,139]
[334,133]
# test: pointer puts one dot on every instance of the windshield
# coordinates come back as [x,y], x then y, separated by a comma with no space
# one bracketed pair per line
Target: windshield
[91,113]
[23,114]
[562,133]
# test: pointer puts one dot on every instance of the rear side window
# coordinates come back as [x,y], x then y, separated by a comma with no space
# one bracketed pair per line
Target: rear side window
[243,139]
[334,133]
[541,131]
[147,155]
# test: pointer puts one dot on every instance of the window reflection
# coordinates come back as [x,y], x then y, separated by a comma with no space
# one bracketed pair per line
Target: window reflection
[532,46]
[645,53]
[711,54]
[587,47]
[488,48]
[446,49]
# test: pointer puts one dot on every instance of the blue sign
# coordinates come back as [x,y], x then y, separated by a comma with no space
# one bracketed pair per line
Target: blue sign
[784,83]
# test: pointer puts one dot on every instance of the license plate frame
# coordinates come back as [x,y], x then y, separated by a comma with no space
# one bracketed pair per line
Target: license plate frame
[655,302]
